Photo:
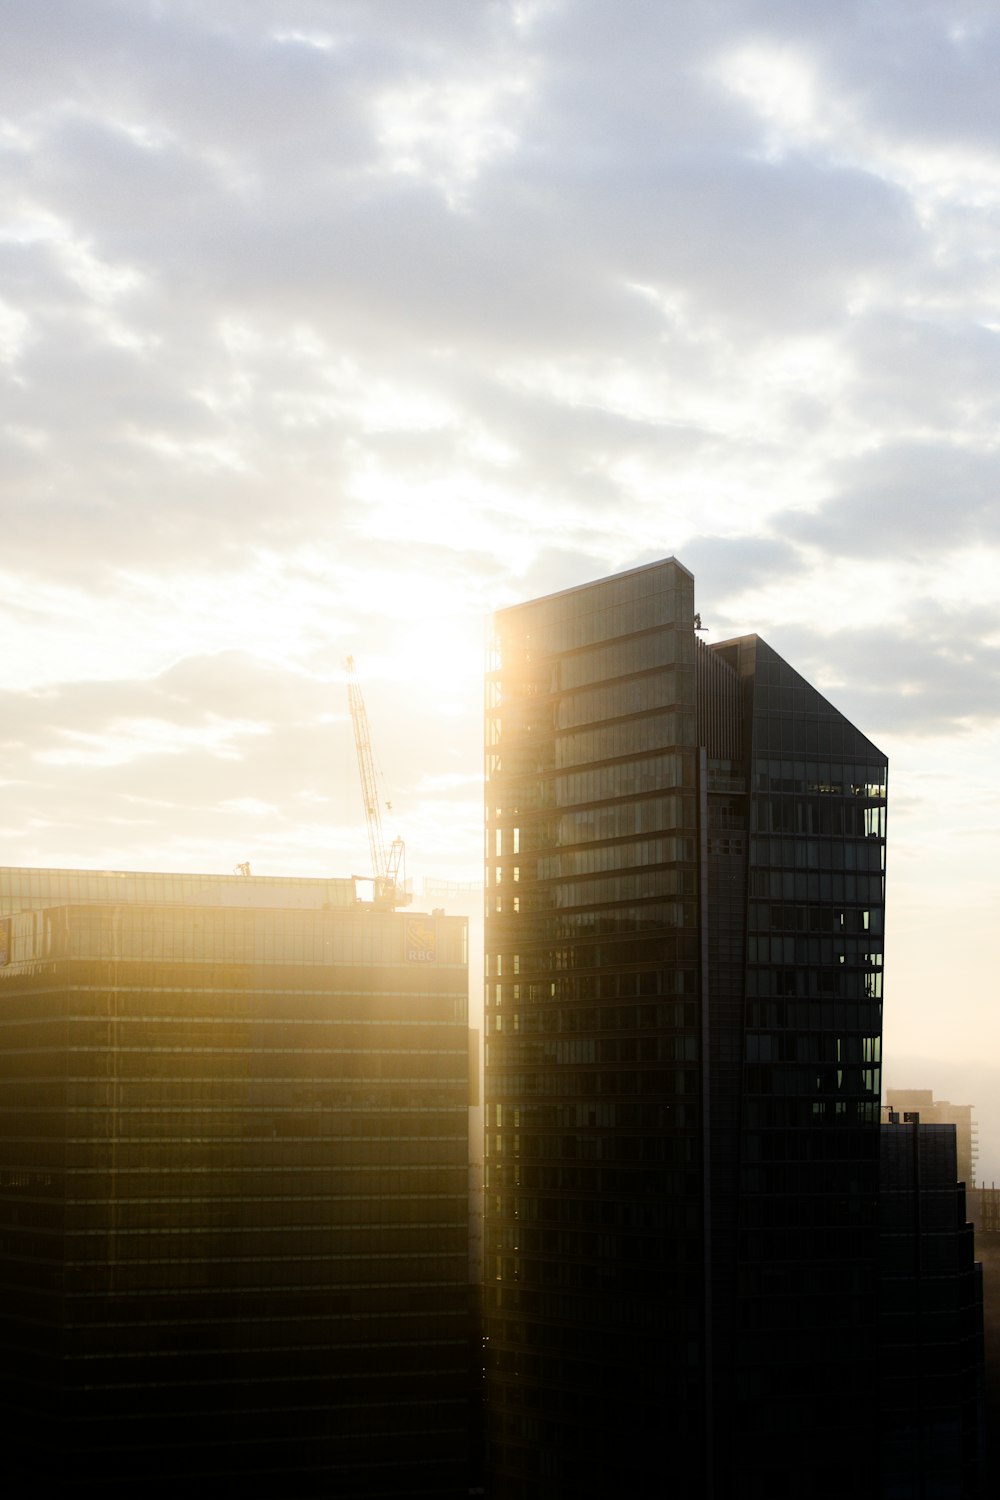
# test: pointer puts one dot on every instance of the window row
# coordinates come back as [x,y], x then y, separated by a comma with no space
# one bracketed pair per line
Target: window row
[620,856]
[819,854]
[636,736]
[617,700]
[200,1012]
[651,816]
[251,1208]
[559,1017]
[275,1081]
[213,935]
[501,1176]
[641,885]
[195,1233]
[613,1181]
[583,1049]
[830,886]
[804,1082]
[818,918]
[650,1120]
[608,1245]
[825,817]
[230,1156]
[805,1113]
[645,886]
[546,961]
[653,774]
[661,648]
[508,1053]
[799,984]
[860,952]
[828,778]
[804,1046]
[252,1272]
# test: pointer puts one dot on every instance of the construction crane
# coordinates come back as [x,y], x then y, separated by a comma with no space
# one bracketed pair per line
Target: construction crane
[389,866]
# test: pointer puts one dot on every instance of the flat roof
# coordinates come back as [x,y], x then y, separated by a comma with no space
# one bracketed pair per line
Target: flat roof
[30,888]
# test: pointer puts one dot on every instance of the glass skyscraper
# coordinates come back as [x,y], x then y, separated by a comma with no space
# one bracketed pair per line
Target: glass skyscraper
[685,894]
[233,1189]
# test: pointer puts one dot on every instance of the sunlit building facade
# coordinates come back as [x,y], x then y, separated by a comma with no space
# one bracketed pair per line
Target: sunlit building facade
[233,1195]
[685,893]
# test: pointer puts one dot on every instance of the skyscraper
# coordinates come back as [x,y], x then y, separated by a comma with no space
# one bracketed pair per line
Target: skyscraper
[233,1195]
[685,891]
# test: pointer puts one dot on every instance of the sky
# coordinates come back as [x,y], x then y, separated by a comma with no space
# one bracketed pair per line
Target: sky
[328,326]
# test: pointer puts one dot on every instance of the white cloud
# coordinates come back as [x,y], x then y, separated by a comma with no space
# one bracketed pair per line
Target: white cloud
[125,739]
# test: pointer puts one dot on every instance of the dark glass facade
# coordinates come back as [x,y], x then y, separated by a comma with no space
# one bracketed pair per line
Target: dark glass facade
[233,1227]
[931,1365]
[796,1309]
[685,876]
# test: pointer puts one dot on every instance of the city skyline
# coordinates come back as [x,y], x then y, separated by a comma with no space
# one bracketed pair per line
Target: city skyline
[328,330]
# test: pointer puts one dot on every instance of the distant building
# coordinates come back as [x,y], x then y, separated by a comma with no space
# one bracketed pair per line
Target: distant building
[233,1189]
[685,890]
[984,1209]
[931,1318]
[939,1112]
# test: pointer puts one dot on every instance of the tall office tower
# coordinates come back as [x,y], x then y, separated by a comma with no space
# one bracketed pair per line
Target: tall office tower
[685,876]
[233,1197]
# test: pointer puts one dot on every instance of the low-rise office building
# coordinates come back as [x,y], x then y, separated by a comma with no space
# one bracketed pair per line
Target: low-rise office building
[233,1187]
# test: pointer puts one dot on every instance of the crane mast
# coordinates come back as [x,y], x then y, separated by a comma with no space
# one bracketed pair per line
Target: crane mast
[387,865]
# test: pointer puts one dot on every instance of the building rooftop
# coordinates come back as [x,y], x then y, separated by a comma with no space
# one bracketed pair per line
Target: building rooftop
[26,889]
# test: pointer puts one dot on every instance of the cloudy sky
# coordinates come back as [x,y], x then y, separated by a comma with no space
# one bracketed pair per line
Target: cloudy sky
[328,325]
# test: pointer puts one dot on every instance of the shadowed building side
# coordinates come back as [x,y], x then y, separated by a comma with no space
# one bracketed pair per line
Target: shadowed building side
[931,1362]
[804,1349]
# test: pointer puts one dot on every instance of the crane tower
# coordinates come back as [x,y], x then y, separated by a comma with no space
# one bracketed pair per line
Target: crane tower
[388,866]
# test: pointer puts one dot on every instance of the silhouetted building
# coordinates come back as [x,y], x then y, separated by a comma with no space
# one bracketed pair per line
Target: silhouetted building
[931,1309]
[685,887]
[940,1112]
[984,1208]
[233,1189]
